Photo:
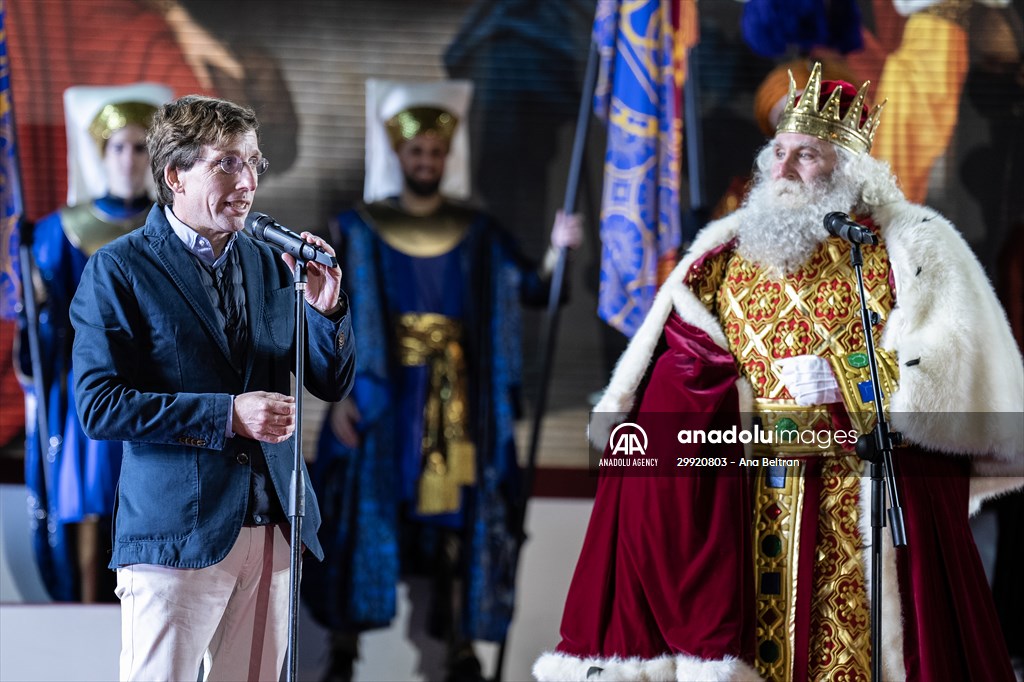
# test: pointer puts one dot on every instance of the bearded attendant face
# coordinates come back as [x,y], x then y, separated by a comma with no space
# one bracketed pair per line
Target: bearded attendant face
[422,160]
[800,179]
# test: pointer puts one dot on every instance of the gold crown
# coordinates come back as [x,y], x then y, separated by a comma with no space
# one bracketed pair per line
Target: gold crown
[117,115]
[826,123]
[414,121]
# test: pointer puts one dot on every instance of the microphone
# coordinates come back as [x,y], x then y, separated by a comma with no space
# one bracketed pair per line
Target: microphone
[266,229]
[840,225]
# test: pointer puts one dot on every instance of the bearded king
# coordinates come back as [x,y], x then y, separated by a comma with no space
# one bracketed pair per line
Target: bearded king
[754,565]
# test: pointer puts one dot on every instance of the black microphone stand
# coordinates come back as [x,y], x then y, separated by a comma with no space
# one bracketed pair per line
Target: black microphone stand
[297,486]
[876,448]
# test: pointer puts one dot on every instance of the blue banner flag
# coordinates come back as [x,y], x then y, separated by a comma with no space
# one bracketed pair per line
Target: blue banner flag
[638,94]
[10,185]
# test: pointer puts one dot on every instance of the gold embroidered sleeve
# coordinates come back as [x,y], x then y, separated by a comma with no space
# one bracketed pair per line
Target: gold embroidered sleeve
[705,281]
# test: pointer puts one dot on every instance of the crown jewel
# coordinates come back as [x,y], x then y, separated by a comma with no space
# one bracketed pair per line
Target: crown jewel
[827,123]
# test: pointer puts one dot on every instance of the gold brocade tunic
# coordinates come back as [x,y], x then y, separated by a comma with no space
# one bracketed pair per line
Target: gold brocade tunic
[813,311]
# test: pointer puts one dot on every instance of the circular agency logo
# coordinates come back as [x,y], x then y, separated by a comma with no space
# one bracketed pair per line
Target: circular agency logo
[628,440]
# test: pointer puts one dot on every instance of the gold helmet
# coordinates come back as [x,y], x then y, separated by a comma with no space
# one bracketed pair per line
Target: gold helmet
[116,115]
[421,120]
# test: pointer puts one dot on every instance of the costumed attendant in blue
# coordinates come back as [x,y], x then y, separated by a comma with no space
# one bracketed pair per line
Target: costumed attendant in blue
[418,468]
[107,158]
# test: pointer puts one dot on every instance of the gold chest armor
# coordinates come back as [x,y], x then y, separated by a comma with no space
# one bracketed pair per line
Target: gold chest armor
[88,228]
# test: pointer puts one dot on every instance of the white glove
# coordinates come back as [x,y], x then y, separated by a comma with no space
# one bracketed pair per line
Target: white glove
[567,230]
[809,379]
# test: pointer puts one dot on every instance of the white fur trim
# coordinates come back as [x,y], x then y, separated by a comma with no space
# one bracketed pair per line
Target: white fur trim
[965,392]
[989,486]
[687,305]
[553,667]
[967,386]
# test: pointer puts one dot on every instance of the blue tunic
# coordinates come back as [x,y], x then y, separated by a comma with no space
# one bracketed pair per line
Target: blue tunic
[82,472]
[419,285]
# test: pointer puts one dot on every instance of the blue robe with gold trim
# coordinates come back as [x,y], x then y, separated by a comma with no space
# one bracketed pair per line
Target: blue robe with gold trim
[82,472]
[481,282]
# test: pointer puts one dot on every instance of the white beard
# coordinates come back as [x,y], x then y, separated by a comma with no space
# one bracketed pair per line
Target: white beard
[782,219]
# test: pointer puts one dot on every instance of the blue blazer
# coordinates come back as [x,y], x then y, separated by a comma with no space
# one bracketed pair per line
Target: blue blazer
[152,370]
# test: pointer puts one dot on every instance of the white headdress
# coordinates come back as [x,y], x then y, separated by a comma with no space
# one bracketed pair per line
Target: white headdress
[385,99]
[82,103]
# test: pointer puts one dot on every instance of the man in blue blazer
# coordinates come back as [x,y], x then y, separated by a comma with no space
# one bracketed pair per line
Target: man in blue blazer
[184,345]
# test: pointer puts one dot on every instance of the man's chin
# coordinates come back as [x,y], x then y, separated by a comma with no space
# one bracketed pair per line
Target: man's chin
[423,189]
[232,223]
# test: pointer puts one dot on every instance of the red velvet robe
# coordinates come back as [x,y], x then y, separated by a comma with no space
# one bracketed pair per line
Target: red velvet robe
[665,568]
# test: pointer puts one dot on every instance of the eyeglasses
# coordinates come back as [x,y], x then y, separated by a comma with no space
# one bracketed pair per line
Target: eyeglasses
[233,164]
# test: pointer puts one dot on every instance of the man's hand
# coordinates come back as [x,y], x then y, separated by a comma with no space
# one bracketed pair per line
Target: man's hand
[264,416]
[809,379]
[344,418]
[323,284]
[567,232]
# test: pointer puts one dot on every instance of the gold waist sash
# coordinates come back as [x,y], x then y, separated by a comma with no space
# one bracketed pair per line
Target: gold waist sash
[449,457]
